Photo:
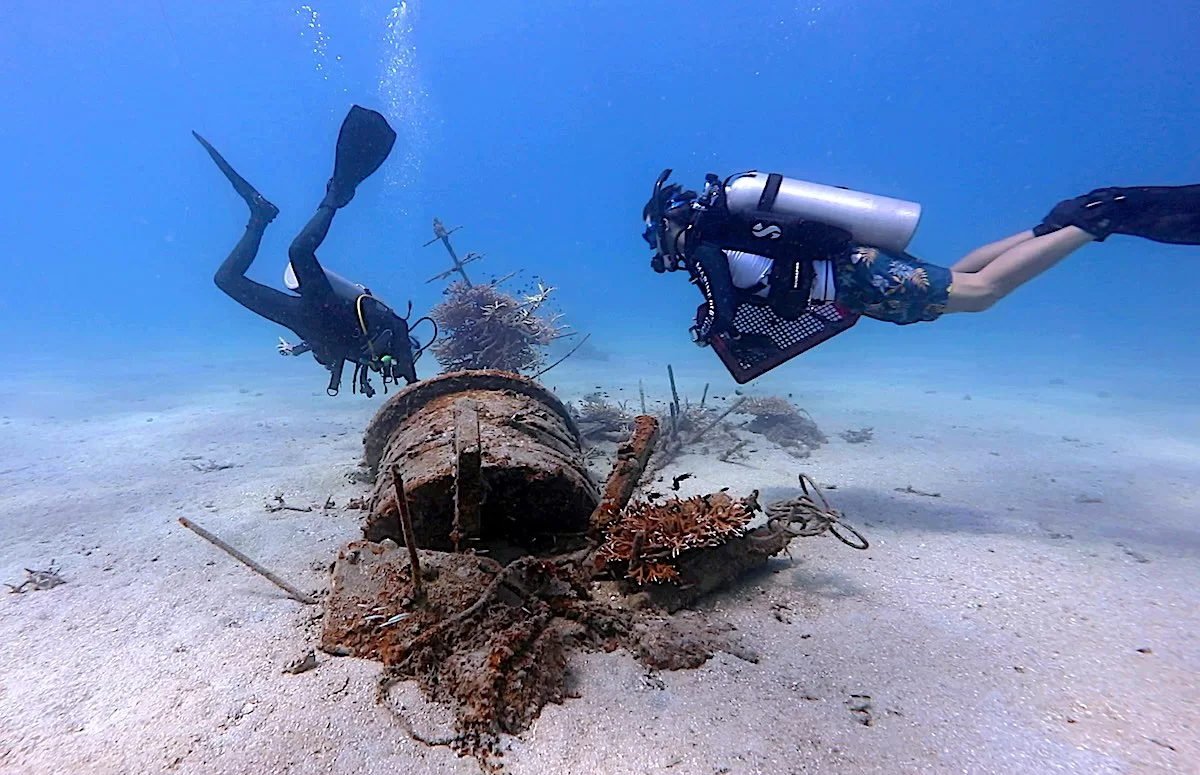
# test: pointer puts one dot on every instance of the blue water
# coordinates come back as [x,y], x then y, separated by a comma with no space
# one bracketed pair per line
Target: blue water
[540,127]
[1051,580]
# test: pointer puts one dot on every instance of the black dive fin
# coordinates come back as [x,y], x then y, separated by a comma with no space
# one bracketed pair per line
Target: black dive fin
[363,145]
[1168,214]
[258,203]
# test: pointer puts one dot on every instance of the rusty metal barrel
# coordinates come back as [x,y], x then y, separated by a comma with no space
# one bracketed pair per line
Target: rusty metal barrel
[485,456]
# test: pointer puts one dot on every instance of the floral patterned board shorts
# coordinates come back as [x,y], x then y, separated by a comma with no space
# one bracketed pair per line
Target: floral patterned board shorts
[898,289]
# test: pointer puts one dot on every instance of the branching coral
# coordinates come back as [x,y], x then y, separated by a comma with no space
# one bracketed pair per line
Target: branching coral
[601,420]
[650,537]
[484,327]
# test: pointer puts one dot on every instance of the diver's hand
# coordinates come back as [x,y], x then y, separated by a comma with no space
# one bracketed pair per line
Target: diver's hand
[285,348]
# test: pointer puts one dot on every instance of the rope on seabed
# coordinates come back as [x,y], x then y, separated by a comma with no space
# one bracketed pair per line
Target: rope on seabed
[802,517]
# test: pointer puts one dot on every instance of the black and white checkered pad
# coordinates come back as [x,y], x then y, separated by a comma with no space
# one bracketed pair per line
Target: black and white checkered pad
[768,340]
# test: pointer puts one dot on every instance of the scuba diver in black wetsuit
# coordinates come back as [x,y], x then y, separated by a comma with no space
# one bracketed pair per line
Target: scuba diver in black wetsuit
[784,264]
[338,320]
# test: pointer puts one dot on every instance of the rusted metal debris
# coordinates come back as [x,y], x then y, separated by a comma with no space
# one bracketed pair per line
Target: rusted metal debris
[468,476]
[241,557]
[627,470]
[406,529]
[490,459]
[489,640]
[493,452]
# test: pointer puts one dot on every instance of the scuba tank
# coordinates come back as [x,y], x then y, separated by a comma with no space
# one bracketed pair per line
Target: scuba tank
[342,288]
[872,220]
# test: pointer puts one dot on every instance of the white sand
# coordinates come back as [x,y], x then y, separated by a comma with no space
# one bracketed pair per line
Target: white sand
[995,629]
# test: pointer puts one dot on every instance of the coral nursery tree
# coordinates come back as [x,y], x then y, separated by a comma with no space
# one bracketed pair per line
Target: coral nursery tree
[485,327]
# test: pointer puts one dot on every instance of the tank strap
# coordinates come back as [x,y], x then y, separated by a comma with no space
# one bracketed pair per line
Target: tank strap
[766,202]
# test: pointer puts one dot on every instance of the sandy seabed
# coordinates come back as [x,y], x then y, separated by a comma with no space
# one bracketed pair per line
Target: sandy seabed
[1040,615]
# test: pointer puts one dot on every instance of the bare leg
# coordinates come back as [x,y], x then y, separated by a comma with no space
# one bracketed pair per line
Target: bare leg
[980,257]
[979,290]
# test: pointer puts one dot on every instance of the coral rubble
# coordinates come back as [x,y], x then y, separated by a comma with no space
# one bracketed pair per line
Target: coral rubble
[782,422]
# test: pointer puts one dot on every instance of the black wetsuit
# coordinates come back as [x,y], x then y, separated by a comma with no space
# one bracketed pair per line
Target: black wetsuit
[327,321]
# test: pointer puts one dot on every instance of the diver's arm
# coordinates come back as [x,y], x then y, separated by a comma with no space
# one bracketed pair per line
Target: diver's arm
[287,348]
[709,267]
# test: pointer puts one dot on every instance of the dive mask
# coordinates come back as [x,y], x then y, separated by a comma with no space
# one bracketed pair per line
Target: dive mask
[664,260]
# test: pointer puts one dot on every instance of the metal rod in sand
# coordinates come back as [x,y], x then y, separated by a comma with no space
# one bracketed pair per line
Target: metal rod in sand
[293,593]
[414,564]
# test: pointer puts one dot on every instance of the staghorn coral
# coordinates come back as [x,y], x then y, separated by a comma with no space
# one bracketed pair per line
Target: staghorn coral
[601,420]
[783,423]
[650,538]
[484,327]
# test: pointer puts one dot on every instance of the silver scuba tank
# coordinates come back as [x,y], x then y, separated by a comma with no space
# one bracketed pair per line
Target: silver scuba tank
[342,287]
[873,220]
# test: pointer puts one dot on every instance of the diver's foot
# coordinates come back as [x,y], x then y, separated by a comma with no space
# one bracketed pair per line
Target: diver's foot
[260,209]
[1094,212]
[335,197]
[1168,214]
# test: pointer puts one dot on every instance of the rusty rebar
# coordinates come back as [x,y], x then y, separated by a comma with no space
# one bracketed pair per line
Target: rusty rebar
[632,457]
[293,593]
[414,564]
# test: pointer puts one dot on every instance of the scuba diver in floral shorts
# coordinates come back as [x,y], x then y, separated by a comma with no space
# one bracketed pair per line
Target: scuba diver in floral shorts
[784,264]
